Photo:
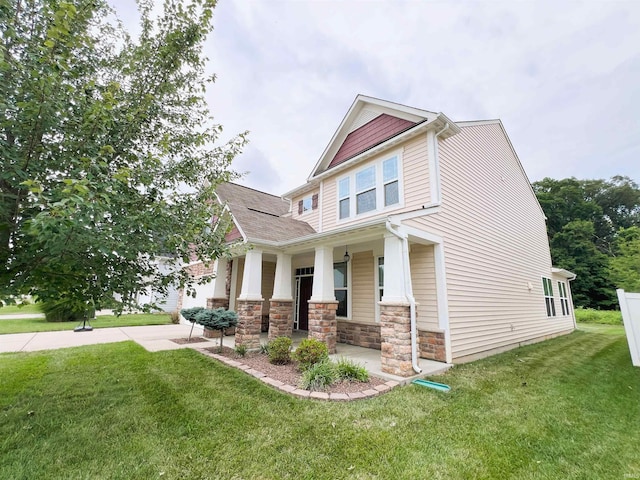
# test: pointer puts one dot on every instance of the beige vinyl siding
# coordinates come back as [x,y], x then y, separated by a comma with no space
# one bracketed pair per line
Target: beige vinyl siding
[312,217]
[363,287]
[495,245]
[268,278]
[415,183]
[423,281]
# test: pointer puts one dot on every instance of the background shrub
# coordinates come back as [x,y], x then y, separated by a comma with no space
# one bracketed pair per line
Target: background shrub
[66,310]
[607,317]
[349,370]
[319,376]
[309,352]
[279,350]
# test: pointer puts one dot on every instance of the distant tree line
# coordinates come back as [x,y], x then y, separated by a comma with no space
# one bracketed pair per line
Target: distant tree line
[594,231]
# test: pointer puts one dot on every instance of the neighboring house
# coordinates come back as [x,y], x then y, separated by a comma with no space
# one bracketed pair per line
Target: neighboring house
[413,234]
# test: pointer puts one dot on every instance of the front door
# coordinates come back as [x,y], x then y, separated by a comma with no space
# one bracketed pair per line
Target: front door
[304,294]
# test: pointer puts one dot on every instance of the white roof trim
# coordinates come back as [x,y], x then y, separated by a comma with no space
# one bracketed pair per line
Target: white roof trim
[563,273]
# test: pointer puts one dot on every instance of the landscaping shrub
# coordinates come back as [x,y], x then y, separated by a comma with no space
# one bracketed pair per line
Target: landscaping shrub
[264,348]
[280,350]
[175,317]
[349,370]
[241,350]
[309,352]
[66,310]
[189,314]
[217,319]
[319,376]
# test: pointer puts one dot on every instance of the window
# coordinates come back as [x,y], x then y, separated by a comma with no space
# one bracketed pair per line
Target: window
[340,287]
[548,297]
[380,278]
[564,300]
[390,181]
[366,190]
[307,204]
[343,198]
[370,189]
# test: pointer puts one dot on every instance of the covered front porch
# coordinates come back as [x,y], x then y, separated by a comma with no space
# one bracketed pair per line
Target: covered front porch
[373,288]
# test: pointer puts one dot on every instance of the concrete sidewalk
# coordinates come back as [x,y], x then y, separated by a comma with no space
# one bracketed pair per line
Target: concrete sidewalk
[154,338]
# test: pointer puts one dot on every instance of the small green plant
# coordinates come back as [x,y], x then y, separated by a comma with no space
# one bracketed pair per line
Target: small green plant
[241,350]
[264,348]
[189,315]
[348,370]
[279,351]
[309,352]
[217,319]
[319,376]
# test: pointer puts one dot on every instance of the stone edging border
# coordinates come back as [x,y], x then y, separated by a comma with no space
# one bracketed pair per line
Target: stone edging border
[298,392]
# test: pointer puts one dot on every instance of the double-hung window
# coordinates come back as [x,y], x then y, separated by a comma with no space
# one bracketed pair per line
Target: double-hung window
[564,300]
[340,288]
[366,190]
[548,297]
[370,189]
[343,198]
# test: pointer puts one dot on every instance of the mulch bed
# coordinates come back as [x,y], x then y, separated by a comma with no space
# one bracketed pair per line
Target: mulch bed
[184,341]
[289,373]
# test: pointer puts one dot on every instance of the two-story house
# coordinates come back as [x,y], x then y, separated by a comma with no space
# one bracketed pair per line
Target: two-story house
[413,234]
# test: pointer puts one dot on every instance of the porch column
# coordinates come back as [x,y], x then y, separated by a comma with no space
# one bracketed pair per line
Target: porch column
[219,298]
[281,304]
[395,312]
[323,304]
[249,305]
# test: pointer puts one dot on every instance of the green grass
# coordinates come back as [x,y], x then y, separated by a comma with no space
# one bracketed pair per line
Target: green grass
[607,317]
[566,408]
[19,309]
[24,325]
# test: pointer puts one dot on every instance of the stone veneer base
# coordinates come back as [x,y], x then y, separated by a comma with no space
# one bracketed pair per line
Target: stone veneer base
[249,323]
[322,323]
[280,318]
[395,339]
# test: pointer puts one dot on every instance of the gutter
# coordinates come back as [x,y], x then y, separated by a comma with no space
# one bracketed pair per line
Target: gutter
[406,269]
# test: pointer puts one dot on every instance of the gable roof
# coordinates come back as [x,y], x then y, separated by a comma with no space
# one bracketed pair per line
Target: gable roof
[372,125]
[259,215]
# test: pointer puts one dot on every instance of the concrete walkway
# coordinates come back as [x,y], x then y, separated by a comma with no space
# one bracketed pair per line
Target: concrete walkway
[156,338]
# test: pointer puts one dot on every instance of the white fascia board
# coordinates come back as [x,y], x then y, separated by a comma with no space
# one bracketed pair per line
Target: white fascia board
[564,273]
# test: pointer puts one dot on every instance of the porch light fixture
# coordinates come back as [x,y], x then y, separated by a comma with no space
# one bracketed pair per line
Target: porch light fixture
[347,257]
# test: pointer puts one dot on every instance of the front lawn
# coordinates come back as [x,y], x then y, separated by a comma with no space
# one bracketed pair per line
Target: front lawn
[566,408]
[19,309]
[24,325]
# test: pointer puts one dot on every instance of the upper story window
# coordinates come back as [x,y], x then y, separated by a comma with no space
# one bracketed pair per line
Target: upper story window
[370,189]
[307,204]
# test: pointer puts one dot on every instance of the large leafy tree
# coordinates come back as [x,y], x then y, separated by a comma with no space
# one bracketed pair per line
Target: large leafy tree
[584,221]
[625,265]
[108,150]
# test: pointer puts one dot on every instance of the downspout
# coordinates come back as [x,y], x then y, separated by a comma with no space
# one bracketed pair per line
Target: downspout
[409,294]
[436,160]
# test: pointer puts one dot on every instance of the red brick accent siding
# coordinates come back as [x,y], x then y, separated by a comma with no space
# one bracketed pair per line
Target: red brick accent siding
[360,334]
[431,345]
[322,323]
[234,234]
[217,303]
[280,318]
[395,336]
[199,269]
[381,128]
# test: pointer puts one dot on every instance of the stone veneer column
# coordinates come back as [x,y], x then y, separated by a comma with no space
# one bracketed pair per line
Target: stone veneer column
[280,318]
[322,323]
[395,339]
[249,323]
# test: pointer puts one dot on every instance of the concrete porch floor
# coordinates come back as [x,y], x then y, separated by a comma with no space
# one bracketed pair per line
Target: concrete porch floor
[367,357]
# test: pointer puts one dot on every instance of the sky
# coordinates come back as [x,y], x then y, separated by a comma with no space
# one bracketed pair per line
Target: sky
[563,76]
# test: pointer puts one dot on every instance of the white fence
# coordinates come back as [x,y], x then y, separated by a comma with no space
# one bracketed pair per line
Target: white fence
[630,308]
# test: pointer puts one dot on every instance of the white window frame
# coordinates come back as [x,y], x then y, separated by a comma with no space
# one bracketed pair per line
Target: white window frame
[309,199]
[549,299]
[379,188]
[376,286]
[347,288]
[564,298]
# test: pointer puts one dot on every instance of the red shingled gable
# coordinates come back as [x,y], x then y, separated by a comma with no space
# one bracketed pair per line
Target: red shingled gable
[381,128]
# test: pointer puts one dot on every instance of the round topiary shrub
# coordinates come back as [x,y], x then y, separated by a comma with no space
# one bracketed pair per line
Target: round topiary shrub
[280,351]
[309,352]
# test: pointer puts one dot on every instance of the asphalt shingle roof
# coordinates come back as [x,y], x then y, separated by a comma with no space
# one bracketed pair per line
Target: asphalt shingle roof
[260,214]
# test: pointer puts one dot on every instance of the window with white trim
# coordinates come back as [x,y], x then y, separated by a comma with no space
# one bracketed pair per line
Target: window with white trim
[380,278]
[564,299]
[343,198]
[307,204]
[373,188]
[340,288]
[548,297]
